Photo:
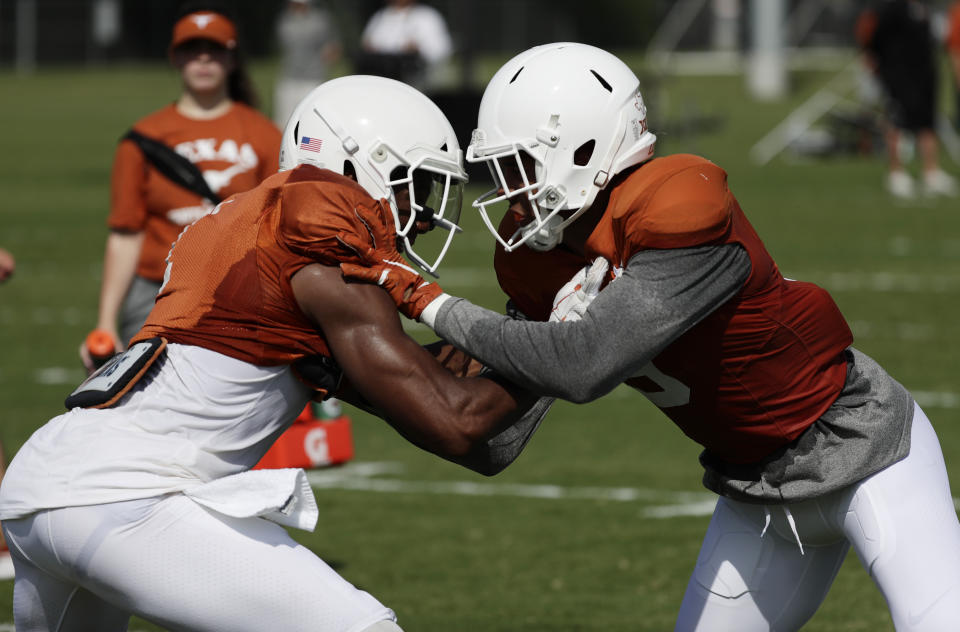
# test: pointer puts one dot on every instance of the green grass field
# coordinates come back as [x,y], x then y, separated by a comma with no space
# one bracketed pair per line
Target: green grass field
[490,556]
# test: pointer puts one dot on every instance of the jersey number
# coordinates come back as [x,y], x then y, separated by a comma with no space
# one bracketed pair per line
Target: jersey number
[665,391]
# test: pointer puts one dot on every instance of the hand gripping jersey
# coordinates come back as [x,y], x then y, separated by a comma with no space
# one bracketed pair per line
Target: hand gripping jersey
[757,371]
[235,152]
[227,285]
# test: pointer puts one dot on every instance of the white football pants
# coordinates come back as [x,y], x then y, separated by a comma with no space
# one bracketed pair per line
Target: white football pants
[184,567]
[901,522]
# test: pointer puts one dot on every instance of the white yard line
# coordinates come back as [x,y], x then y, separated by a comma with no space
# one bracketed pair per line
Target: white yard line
[931,399]
[884,282]
[59,375]
[373,477]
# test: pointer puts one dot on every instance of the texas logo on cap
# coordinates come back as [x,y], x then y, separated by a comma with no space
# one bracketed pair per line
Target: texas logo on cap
[204,25]
[201,19]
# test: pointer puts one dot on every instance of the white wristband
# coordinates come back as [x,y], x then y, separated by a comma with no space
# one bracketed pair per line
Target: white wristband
[429,314]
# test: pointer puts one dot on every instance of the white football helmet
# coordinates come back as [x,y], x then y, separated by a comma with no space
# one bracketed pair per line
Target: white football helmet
[388,134]
[577,111]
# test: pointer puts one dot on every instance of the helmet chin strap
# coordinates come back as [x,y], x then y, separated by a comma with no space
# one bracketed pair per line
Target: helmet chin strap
[544,237]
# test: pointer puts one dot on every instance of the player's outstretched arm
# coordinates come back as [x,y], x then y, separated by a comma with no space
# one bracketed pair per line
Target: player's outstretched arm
[627,324]
[447,415]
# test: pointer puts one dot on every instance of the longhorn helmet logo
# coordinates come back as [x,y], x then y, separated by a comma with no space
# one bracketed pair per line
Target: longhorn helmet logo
[202,20]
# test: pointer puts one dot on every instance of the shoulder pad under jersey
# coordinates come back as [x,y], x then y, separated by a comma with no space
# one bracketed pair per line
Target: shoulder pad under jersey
[674,202]
[317,205]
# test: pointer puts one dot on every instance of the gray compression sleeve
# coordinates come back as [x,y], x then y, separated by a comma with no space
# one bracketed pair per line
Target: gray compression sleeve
[660,295]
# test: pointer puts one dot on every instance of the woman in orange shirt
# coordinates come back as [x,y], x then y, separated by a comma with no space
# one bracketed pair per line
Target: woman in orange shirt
[214,124]
[953,51]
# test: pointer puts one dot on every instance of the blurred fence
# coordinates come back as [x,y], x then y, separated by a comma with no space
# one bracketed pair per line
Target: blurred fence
[40,32]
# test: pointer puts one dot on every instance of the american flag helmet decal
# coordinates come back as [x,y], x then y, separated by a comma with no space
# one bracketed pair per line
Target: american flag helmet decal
[310,144]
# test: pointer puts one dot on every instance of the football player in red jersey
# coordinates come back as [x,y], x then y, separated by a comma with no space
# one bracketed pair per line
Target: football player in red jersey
[811,446]
[141,499]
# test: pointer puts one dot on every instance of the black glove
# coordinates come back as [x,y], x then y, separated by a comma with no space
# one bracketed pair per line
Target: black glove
[319,372]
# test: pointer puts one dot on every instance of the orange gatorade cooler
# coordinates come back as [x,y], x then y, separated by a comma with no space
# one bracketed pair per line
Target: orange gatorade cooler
[319,437]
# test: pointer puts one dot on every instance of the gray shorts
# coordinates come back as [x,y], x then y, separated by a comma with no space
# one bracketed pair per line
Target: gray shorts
[136,307]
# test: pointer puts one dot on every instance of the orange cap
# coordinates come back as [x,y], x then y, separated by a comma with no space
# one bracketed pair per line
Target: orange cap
[204,25]
[99,343]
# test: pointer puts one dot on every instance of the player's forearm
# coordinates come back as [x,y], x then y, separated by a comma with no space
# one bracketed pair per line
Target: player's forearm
[403,383]
[479,429]
[456,420]
[477,436]
[566,360]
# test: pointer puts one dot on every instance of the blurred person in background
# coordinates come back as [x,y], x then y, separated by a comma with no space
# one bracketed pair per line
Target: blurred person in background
[309,46]
[898,45]
[7,265]
[625,268]
[407,41]
[953,50]
[7,570]
[215,126]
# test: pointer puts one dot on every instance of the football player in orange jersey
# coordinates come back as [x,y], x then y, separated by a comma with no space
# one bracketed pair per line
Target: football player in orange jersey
[811,446]
[140,499]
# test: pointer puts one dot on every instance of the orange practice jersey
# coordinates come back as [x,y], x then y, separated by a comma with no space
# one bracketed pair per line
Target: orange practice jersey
[228,286]
[953,30]
[235,152]
[761,368]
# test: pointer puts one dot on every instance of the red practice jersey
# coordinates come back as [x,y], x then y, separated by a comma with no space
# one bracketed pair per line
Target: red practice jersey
[751,376]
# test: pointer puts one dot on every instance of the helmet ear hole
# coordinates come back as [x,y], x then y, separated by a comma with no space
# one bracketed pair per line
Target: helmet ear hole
[583,154]
[349,170]
[296,132]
